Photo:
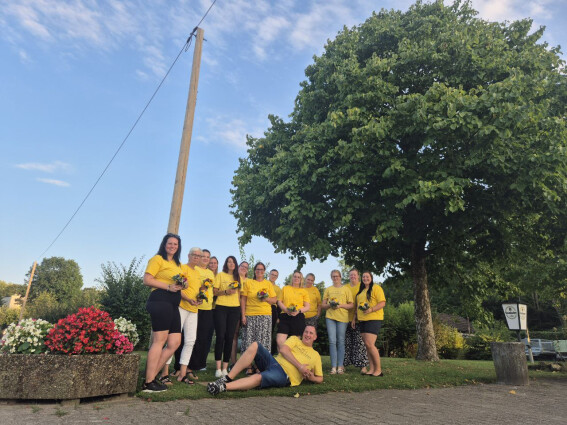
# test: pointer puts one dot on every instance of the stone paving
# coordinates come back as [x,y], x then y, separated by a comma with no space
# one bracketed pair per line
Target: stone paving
[542,402]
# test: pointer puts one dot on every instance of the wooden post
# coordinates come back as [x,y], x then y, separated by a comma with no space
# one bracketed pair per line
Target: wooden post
[27,291]
[510,363]
[179,187]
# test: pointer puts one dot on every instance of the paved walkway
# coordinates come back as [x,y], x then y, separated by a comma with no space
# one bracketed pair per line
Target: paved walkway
[542,402]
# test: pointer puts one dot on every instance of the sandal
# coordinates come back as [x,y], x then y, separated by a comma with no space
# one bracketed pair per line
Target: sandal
[341,370]
[187,381]
[191,375]
[165,380]
[333,371]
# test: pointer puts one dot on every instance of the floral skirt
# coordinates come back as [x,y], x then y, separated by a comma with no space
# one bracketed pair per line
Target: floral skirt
[258,328]
[355,350]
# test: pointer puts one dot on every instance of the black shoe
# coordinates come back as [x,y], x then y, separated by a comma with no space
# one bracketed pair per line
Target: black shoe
[216,387]
[153,387]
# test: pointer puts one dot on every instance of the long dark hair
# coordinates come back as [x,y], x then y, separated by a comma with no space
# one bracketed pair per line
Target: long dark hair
[162,252]
[363,286]
[235,273]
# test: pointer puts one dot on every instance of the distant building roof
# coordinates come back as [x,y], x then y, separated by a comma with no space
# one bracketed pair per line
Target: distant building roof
[460,323]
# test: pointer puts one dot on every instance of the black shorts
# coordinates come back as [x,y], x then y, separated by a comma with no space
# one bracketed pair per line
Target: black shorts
[370,326]
[291,325]
[163,307]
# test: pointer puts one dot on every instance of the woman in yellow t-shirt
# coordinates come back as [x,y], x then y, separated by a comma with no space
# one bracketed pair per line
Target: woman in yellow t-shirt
[226,313]
[293,302]
[256,299]
[370,302]
[312,316]
[163,307]
[337,300]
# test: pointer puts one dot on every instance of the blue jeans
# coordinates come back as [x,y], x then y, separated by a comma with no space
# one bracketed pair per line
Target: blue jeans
[336,331]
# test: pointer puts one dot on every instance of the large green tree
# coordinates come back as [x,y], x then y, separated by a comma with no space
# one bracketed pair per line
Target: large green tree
[59,277]
[418,137]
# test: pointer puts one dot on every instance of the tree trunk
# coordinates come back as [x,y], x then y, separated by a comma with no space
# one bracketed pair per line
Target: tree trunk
[426,349]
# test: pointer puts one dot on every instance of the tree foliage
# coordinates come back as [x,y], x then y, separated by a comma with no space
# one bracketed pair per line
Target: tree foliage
[60,277]
[420,140]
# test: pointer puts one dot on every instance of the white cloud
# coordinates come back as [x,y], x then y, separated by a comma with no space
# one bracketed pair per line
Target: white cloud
[54,182]
[231,132]
[24,56]
[47,168]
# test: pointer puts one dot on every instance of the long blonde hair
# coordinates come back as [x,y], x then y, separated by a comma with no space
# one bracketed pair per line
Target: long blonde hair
[301,281]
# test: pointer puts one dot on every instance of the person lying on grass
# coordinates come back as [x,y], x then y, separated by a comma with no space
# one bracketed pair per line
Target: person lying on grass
[297,361]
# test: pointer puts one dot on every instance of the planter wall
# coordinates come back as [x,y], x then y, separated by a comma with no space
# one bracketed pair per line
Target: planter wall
[61,377]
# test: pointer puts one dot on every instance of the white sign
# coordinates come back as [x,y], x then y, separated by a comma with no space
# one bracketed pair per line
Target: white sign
[516,316]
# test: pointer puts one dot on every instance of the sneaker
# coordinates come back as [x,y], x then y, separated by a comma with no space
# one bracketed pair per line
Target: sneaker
[218,373]
[153,387]
[224,372]
[222,380]
[215,388]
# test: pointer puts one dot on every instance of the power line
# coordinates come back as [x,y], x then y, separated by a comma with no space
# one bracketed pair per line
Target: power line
[184,48]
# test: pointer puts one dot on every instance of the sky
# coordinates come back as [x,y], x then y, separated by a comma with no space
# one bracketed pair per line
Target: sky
[76,74]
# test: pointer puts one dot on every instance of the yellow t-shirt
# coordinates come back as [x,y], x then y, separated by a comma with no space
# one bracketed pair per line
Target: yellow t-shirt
[354,289]
[206,274]
[163,270]
[221,283]
[343,296]
[277,290]
[255,306]
[193,284]
[290,295]
[314,301]
[376,297]
[304,355]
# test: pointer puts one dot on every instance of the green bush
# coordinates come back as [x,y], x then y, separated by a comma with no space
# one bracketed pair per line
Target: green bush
[7,316]
[125,295]
[448,340]
[477,346]
[398,335]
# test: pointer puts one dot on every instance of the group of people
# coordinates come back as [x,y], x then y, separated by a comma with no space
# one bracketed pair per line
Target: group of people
[190,301]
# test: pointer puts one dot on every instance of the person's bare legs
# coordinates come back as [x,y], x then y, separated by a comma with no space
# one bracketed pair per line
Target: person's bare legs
[373,354]
[280,340]
[244,361]
[247,383]
[158,355]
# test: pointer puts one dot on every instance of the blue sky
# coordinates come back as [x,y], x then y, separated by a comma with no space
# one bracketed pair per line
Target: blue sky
[76,74]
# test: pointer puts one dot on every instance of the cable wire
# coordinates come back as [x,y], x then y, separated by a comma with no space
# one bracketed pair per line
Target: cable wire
[184,48]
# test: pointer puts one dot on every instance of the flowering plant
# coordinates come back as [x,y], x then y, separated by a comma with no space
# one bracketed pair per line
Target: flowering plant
[181,280]
[89,331]
[128,329]
[363,306]
[26,337]
[207,283]
[262,294]
[234,285]
[292,308]
[202,295]
[334,302]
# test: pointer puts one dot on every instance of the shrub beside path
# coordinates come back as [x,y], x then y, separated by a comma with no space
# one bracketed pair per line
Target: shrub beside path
[543,401]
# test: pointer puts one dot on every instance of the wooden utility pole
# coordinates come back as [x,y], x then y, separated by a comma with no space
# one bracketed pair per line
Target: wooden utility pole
[27,291]
[179,187]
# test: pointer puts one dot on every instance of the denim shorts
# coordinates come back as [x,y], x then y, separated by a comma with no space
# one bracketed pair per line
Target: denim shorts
[272,373]
[370,326]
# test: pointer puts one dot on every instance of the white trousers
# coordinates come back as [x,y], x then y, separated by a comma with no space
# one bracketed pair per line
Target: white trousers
[189,328]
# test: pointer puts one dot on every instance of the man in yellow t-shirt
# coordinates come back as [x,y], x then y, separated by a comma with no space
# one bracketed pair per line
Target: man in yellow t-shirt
[297,361]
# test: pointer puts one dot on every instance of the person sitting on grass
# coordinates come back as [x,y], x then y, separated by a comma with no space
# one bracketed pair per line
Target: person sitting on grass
[297,360]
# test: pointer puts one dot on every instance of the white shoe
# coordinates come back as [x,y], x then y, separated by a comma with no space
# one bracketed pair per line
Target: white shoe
[218,373]
[224,372]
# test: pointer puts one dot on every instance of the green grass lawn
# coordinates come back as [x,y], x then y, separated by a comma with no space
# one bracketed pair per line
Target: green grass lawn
[399,374]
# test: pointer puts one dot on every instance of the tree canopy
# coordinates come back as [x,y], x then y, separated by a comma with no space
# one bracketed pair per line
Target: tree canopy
[59,277]
[418,138]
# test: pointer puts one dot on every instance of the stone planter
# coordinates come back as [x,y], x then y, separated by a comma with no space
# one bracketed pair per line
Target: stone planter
[61,377]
